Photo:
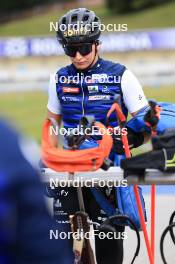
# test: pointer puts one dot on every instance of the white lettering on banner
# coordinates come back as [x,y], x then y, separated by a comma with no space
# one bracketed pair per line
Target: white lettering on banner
[125,42]
[45,46]
[112,42]
[98,97]
[17,47]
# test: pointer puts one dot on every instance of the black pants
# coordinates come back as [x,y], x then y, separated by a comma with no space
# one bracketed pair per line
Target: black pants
[108,251]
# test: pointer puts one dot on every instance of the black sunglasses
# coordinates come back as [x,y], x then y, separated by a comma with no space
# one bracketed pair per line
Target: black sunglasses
[84,49]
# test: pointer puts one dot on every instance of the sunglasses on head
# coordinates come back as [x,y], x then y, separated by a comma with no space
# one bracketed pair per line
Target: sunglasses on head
[84,49]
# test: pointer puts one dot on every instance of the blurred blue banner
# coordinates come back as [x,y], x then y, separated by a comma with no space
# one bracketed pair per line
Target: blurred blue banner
[111,42]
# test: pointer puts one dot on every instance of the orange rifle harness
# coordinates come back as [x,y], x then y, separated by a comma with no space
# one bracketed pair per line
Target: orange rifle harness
[63,160]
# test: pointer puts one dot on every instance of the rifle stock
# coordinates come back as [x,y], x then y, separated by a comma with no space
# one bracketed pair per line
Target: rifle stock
[81,245]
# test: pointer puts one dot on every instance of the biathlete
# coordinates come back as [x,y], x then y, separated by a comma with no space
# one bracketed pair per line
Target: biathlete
[93,94]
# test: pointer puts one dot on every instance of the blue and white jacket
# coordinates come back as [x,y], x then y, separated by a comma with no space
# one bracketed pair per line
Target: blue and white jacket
[93,92]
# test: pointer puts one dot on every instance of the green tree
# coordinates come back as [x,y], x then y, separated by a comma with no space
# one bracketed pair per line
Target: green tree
[126,6]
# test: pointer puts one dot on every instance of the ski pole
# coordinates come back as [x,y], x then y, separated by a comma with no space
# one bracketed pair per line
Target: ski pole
[122,119]
[151,120]
[153,196]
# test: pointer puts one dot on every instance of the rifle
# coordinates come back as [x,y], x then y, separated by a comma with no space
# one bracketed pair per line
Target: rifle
[80,223]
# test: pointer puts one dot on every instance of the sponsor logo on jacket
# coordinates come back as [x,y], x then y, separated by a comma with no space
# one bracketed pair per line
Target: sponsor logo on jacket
[92,88]
[99,97]
[105,89]
[71,90]
[98,78]
[70,99]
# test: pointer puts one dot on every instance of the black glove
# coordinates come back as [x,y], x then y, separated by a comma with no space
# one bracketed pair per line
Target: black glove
[151,118]
[134,139]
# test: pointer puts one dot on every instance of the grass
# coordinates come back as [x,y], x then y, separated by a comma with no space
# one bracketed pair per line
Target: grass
[28,109]
[164,93]
[157,17]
